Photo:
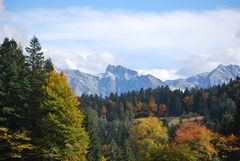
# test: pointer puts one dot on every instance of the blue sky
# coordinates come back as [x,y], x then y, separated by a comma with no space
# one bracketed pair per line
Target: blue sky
[143,5]
[169,39]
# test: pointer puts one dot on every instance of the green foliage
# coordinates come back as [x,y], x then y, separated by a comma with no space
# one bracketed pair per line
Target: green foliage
[48,66]
[39,70]
[227,124]
[173,153]
[127,152]
[235,88]
[94,150]
[114,152]
[62,134]
[14,85]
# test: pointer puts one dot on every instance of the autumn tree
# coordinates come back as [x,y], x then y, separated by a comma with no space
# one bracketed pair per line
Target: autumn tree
[152,105]
[162,110]
[14,145]
[197,137]
[227,146]
[145,134]
[62,134]
[104,111]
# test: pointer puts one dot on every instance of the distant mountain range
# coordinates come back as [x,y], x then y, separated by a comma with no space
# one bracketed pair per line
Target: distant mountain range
[222,74]
[118,79]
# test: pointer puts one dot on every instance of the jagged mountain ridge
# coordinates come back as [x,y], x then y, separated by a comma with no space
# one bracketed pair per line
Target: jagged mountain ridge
[221,74]
[118,79]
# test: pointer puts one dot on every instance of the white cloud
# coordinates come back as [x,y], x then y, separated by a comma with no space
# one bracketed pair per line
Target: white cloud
[204,63]
[163,74]
[84,60]
[81,35]
[2,7]
[16,32]
[181,30]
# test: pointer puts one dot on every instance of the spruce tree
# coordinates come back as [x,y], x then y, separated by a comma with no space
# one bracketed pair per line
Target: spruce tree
[39,70]
[14,86]
[48,65]
[35,62]
[94,151]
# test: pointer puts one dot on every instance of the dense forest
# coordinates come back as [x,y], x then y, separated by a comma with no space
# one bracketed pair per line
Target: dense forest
[41,119]
[134,115]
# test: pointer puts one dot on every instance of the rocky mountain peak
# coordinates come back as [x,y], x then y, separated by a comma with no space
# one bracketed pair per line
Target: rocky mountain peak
[121,72]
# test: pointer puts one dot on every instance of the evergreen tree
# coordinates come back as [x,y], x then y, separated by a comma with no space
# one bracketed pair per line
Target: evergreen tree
[48,65]
[62,134]
[35,57]
[94,151]
[35,62]
[237,102]
[114,153]
[14,86]
[127,152]
[227,124]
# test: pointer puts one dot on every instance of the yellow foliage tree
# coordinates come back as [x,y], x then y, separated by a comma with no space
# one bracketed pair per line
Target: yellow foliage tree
[145,134]
[13,145]
[62,134]
[152,104]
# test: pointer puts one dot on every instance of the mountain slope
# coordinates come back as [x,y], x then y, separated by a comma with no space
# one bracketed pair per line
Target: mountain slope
[116,79]
[222,74]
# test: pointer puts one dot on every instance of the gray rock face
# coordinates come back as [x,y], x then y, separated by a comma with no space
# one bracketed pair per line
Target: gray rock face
[116,79]
[222,74]
[82,82]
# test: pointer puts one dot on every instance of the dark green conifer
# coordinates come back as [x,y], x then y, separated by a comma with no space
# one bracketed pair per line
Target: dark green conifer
[14,85]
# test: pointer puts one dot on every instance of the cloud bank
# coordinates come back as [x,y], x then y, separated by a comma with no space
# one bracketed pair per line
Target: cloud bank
[89,39]
[163,74]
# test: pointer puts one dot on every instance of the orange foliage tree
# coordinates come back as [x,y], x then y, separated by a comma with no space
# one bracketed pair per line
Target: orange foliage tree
[198,138]
[104,111]
[227,146]
[162,109]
